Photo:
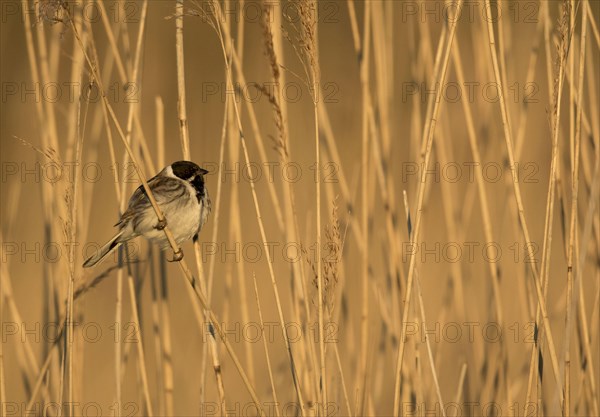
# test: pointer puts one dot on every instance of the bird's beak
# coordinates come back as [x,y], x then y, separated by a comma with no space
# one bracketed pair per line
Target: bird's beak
[203,171]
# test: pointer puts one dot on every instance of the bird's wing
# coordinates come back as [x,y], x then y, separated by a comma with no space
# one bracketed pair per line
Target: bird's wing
[205,211]
[164,189]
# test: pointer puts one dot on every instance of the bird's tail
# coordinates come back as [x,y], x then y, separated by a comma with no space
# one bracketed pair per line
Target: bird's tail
[105,250]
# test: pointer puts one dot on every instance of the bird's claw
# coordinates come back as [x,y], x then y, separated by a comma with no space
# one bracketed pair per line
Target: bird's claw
[162,223]
[177,256]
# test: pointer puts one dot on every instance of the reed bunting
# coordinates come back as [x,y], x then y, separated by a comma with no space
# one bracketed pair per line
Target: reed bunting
[180,193]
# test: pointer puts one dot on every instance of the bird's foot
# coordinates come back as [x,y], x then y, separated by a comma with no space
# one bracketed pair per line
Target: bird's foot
[177,256]
[161,224]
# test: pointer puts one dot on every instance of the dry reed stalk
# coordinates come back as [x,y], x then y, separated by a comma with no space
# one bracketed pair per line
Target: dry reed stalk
[201,321]
[594,131]
[330,141]
[383,55]
[125,79]
[364,315]
[417,383]
[544,270]
[370,406]
[571,69]
[587,356]
[237,236]
[111,150]
[330,275]
[119,194]
[42,372]
[227,119]
[424,320]
[586,234]
[333,265]
[70,231]
[161,286]
[587,362]
[119,323]
[61,384]
[586,125]
[419,55]
[181,105]
[266,346]
[328,133]
[427,64]
[450,210]
[156,331]
[455,287]
[160,130]
[332,150]
[518,198]
[273,45]
[212,343]
[502,39]
[207,282]
[573,225]
[112,41]
[237,224]
[42,58]
[472,194]
[3,402]
[216,217]
[166,341]
[343,380]
[309,44]
[220,33]
[461,383]
[99,121]
[555,117]
[240,29]
[436,383]
[354,26]
[524,108]
[381,151]
[333,311]
[427,142]
[34,72]
[140,348]
[77,76]
[594,26]
[51,210]
[482,193]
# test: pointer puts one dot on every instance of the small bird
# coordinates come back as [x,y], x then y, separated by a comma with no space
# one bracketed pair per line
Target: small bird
[182,196]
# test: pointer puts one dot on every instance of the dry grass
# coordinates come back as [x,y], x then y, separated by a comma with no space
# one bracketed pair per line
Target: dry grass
[360,287]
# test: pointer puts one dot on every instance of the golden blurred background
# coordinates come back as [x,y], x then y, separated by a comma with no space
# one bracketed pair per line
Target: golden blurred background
[484,150]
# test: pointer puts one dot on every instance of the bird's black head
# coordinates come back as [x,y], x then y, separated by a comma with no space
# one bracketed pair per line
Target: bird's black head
[191,172]
[187,170]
